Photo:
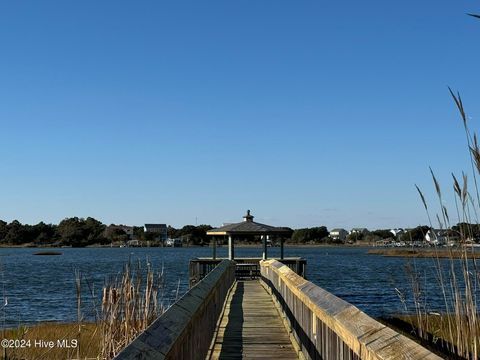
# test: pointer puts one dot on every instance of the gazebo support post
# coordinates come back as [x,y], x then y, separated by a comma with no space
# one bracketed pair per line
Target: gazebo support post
[214,248]
[231,248]
[264,247]
[281,248]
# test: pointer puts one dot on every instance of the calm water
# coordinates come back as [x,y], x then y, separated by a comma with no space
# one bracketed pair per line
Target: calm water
[42,288]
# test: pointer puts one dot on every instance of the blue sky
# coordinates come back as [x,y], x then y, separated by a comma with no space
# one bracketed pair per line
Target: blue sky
[306,112]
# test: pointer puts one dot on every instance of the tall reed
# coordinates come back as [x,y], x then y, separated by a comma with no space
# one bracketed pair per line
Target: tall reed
[458,276]
[130,303]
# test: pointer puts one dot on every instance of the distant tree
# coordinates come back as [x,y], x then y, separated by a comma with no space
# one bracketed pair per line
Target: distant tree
[309,235]
[320,233]
[43,233]
[78,232]
[196,235]
[201,233]
[94,230]
[172,233]
[383,233]
[416,234]
[16,234]
[354,237]
[71,232]
[371,238]
[467,230]
[3,230]
[113,233]
[299,236]
[138,232]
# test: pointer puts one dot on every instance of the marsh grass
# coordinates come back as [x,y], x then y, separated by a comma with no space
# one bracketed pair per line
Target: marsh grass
[423,253]
[88,336]
[457,327]
[130,302]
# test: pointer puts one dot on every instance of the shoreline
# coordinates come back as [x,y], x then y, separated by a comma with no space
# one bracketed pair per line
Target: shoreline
[457,253]
[259,245]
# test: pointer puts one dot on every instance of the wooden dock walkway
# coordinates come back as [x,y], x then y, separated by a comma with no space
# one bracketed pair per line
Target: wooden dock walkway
[251,327]
[224,316]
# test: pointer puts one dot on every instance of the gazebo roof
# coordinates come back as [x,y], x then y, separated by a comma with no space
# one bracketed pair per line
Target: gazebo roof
[249,227]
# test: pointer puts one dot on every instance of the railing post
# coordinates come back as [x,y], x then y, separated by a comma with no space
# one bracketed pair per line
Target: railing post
[265,256]
[281,248]
[214,248]
[231,248]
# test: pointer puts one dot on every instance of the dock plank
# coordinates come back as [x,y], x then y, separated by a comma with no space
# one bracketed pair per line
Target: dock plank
[251,327]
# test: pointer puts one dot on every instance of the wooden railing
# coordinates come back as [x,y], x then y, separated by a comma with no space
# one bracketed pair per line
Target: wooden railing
[185,330]
[199,267]
[327,327]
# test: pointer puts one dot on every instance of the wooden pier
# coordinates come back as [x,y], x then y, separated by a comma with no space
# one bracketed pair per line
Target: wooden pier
[251,327]
[246,268]
[254,308]
[279,315]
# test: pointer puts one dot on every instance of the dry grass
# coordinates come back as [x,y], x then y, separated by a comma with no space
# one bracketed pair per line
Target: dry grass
[423,253]
[88,343]
[129,305]
[458,326]
[435,339]
[439,326]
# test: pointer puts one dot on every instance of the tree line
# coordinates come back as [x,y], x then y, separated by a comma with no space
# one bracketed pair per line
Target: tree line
[80,232]
[320,235]
[76,232]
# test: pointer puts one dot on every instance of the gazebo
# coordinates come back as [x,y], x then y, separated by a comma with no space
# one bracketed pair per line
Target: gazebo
[248,227]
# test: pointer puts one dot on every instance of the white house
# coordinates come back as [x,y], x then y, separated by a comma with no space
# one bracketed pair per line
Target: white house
[338,234]
[363,231]
[436,236]
[397,232]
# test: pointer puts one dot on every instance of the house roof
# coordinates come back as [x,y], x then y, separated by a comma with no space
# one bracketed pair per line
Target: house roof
[337,230]
[249,227]
[149,227]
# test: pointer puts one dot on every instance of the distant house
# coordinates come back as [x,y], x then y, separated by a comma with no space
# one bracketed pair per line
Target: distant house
[363,231]
[436,236]
[338,234]
[397,232]
[133,243]
[160,231]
